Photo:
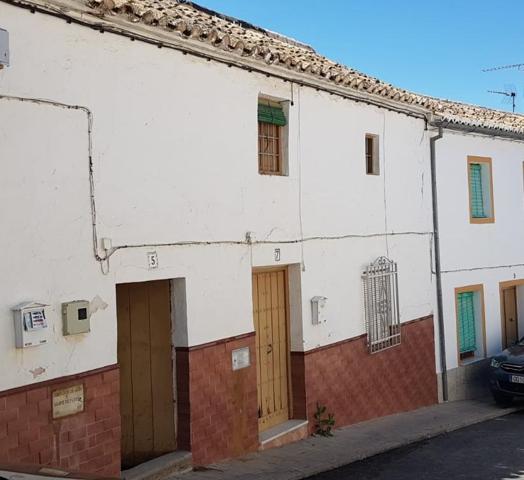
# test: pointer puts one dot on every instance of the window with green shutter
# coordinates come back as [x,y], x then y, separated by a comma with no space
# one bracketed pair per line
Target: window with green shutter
[478,209]
[466,322]
[271,121]
[271,114]
[480,185]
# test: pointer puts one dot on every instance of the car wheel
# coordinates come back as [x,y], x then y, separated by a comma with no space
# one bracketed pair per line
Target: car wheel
[502,399]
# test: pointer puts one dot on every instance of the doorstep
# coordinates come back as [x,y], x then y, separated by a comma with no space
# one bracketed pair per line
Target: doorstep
[286,432]
[160,467]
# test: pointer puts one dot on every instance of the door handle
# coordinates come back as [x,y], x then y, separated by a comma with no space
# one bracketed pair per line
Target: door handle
[269,349]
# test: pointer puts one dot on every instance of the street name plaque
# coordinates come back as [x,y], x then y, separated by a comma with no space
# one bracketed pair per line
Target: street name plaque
[68,401]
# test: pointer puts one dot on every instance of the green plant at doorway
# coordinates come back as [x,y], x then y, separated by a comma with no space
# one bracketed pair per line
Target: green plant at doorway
[324,422]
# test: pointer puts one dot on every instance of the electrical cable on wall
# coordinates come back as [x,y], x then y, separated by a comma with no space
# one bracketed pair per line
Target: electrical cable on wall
[383,149]
[104,260]
[299,166]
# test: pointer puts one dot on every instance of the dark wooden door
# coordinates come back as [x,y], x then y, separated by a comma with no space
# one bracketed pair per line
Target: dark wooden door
[511,324]
[146,371]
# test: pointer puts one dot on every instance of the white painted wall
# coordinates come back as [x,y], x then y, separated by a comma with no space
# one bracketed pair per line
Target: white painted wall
[175,159]
[494,250]
[520,310]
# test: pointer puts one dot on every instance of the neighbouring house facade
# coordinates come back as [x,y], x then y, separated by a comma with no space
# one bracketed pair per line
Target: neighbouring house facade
[212,231]
[480,178]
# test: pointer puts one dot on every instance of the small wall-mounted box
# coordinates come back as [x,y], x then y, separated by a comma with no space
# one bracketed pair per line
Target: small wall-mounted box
[318,310]
[31,328]
[76,317]
[4,48]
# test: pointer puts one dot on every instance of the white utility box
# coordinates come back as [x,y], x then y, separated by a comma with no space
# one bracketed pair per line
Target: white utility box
[4,48]
[76,317]
[31,326]
[318,310]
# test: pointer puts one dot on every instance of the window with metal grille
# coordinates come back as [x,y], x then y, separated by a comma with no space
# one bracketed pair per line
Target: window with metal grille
[271,120]
[372,158]
[381,304]
[480,190]
[466,323]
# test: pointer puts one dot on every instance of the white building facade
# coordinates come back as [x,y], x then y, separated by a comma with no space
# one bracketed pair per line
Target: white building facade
[196,207]
[480,179]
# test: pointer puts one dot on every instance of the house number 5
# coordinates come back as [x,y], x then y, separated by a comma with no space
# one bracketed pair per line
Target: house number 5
[152,260]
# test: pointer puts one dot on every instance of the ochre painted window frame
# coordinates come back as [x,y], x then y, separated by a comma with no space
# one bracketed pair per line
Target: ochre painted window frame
[502,286]
[479,288]
[488,162]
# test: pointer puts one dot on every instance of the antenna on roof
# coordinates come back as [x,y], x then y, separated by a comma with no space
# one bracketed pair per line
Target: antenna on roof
[518,66]
[510,93]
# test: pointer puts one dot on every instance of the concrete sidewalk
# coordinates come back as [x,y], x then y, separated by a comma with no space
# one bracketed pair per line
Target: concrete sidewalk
[356,442]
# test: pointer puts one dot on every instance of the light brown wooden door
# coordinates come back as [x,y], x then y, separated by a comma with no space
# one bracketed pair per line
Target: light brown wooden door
[511,324]
[146,371]
[272,344]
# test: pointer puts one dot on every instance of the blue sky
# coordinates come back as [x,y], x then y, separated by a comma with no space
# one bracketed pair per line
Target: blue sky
[434,47]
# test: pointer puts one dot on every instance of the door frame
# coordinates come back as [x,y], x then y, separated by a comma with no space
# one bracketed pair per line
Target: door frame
[502,287]
[280,268]
[174,389]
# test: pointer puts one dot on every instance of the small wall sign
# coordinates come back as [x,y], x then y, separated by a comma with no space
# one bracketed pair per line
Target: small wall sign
[152,260]
[240,358]
[277,254]
[68,401]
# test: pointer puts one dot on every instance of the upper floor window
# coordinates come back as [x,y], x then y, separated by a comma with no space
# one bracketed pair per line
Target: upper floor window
[372,157]
[271,136]
[480,190]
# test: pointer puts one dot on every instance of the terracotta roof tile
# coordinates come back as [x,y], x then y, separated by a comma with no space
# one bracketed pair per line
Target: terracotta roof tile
[188,20]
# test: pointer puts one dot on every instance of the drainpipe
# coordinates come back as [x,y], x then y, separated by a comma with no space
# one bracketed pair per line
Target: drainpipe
[436,239]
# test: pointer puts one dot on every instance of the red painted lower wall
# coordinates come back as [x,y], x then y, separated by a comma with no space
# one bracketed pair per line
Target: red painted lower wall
[217,406]
[86,442]
[356,386]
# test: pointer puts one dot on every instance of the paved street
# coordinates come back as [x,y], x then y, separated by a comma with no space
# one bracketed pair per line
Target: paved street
[491,450]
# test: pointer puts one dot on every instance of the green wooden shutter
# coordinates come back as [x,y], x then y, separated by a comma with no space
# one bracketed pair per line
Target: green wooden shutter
[475,191]
[466,320]
[270,114]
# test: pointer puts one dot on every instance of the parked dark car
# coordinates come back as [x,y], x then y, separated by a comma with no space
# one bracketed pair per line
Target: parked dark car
[506,373]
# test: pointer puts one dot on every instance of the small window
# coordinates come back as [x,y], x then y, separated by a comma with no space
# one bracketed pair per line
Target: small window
[480,190]
[381,304]
[271,123]
[470,322]
[372,157]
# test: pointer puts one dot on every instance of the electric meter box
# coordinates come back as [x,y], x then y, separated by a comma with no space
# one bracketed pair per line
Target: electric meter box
[4,47]
[76,317]
[318,310]
[31,328]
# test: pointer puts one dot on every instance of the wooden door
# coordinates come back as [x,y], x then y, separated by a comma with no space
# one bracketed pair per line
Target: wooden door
[511,324]
[146,371]
[272,347]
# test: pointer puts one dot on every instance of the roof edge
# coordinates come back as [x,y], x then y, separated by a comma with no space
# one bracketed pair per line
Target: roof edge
[478,129]
[83,15]
[76,12]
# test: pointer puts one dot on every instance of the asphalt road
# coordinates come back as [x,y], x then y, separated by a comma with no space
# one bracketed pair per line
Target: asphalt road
[492,450]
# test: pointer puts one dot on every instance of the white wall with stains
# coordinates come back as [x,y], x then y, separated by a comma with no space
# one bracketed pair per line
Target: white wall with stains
[175,160]
[475,254]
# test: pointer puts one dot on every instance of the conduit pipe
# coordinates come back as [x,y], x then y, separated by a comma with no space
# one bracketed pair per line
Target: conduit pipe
[438,273]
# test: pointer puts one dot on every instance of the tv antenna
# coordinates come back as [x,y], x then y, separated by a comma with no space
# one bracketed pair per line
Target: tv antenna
[518,66]
[510,93]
